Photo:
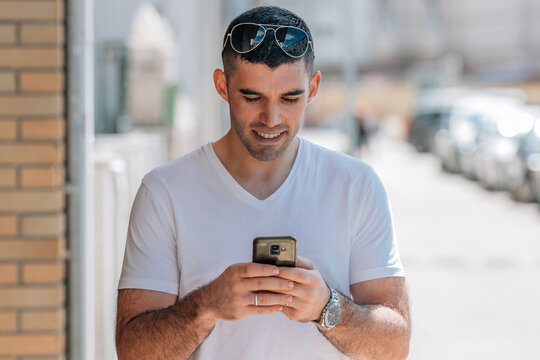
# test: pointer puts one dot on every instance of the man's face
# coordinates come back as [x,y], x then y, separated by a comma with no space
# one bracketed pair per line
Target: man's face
[267,105]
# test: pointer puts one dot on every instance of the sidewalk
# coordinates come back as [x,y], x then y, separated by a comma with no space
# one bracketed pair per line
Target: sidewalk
[472,259]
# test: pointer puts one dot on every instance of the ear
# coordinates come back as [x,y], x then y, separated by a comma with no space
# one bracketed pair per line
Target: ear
[220,82]
[314,84]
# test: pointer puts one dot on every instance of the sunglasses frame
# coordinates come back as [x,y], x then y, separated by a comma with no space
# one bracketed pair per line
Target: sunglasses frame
[266,27]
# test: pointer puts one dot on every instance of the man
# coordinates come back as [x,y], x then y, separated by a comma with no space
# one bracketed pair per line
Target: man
[188,288]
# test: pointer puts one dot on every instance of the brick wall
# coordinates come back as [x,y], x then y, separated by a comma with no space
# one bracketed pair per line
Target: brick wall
[32,173]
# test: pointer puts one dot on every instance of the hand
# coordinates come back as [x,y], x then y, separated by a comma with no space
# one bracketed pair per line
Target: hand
[310,293]
[232,295]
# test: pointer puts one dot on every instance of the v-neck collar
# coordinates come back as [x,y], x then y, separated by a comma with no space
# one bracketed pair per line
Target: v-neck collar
[238,189]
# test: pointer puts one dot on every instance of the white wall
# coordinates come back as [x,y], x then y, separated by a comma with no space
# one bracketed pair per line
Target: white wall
[198,27]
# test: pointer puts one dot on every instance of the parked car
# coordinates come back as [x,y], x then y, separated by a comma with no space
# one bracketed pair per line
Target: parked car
[523,171]
[424,127]
[432,109]
[499,142]
[470,119]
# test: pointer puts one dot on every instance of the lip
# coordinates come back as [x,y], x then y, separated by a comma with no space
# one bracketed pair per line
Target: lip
[268,141]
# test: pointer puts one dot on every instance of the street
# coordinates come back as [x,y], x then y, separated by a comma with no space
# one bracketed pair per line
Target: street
[472,259]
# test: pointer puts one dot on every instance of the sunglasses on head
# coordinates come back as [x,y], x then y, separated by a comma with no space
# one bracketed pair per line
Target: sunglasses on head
[245,37]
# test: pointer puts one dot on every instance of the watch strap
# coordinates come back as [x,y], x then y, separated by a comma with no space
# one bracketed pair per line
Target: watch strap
[334,297]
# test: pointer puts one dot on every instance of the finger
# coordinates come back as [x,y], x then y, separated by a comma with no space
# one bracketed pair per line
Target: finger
[288,311]
[251,270]
[302,291]
[298,304]
[299,312]
[267,299]
[260,310]
[301,276]
[291,313]
[304,263]
[268,283]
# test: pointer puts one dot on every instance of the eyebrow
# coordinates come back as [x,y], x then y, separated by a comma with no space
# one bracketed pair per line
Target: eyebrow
[294,92]
[288,93]
[249,92]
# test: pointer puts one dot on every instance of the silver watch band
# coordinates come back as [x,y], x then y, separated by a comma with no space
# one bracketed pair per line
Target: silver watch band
[334,298]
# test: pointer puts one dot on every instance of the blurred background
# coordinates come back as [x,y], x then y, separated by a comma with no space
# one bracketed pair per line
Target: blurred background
[441,97]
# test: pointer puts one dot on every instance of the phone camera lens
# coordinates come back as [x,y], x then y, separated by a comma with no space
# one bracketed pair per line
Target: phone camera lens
[274,249]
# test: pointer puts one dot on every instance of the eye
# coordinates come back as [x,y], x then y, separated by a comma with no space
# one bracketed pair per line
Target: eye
[250,100]
[292,101]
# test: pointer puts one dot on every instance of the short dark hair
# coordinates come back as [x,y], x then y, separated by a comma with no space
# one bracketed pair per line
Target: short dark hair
[268,52]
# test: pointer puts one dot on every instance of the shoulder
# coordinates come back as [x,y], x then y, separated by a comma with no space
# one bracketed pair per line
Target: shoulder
[336,164]
[177,170]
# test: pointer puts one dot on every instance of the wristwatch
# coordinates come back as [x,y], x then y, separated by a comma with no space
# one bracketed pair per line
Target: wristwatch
[331,312]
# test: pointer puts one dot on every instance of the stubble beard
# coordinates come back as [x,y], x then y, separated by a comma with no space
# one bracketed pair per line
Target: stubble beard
[266,153]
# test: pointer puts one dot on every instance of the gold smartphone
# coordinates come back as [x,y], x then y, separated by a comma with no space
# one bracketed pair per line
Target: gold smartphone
[275,250]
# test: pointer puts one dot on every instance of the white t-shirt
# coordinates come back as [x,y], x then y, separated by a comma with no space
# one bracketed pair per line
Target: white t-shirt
[190,220]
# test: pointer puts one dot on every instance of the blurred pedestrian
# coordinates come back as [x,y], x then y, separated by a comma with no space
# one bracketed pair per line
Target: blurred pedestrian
[188,289]
[368,127]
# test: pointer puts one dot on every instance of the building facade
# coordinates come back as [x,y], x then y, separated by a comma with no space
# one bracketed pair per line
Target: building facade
[32,180]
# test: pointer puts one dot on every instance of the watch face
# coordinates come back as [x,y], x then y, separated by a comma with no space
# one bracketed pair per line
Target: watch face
[332,315]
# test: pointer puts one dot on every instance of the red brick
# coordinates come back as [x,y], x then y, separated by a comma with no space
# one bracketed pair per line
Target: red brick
[42,34]
[51,176]
[43,272]
[44,225]
[32,249]
[32,58]
[31,10]
[8,321]
[31,296]
[8,273]
[7,80]
[19,201]
[32,105]
[43,129]
[42,81]
[8,129]
[8,225]
[24,344]
[8,177]
[7,34]
[20,153]
[43,320]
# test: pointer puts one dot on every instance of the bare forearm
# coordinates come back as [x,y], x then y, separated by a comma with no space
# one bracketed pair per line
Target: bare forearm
[369,332]
[170,333]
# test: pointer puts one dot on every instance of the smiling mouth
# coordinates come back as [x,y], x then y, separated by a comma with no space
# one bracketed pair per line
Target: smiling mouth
[268,136]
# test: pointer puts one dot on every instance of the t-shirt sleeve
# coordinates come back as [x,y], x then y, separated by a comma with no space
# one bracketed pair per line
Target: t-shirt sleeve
[374,251]
[150,259]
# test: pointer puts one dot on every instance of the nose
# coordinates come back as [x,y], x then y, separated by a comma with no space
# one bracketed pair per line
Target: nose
[271,115]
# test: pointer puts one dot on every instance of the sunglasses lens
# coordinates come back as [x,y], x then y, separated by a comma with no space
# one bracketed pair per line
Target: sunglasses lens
[292,40]
[246,36]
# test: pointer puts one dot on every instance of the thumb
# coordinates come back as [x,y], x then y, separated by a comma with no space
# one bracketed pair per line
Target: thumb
[304,263]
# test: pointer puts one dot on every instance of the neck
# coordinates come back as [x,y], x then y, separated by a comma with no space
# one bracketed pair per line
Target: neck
[260,178]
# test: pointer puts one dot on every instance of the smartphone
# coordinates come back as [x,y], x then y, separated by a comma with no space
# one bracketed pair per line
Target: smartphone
[275,250]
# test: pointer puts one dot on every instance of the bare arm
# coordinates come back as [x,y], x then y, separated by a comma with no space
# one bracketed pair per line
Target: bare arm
[154,325]
[375,325]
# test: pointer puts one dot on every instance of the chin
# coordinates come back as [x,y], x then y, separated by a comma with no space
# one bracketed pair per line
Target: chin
[268,154]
